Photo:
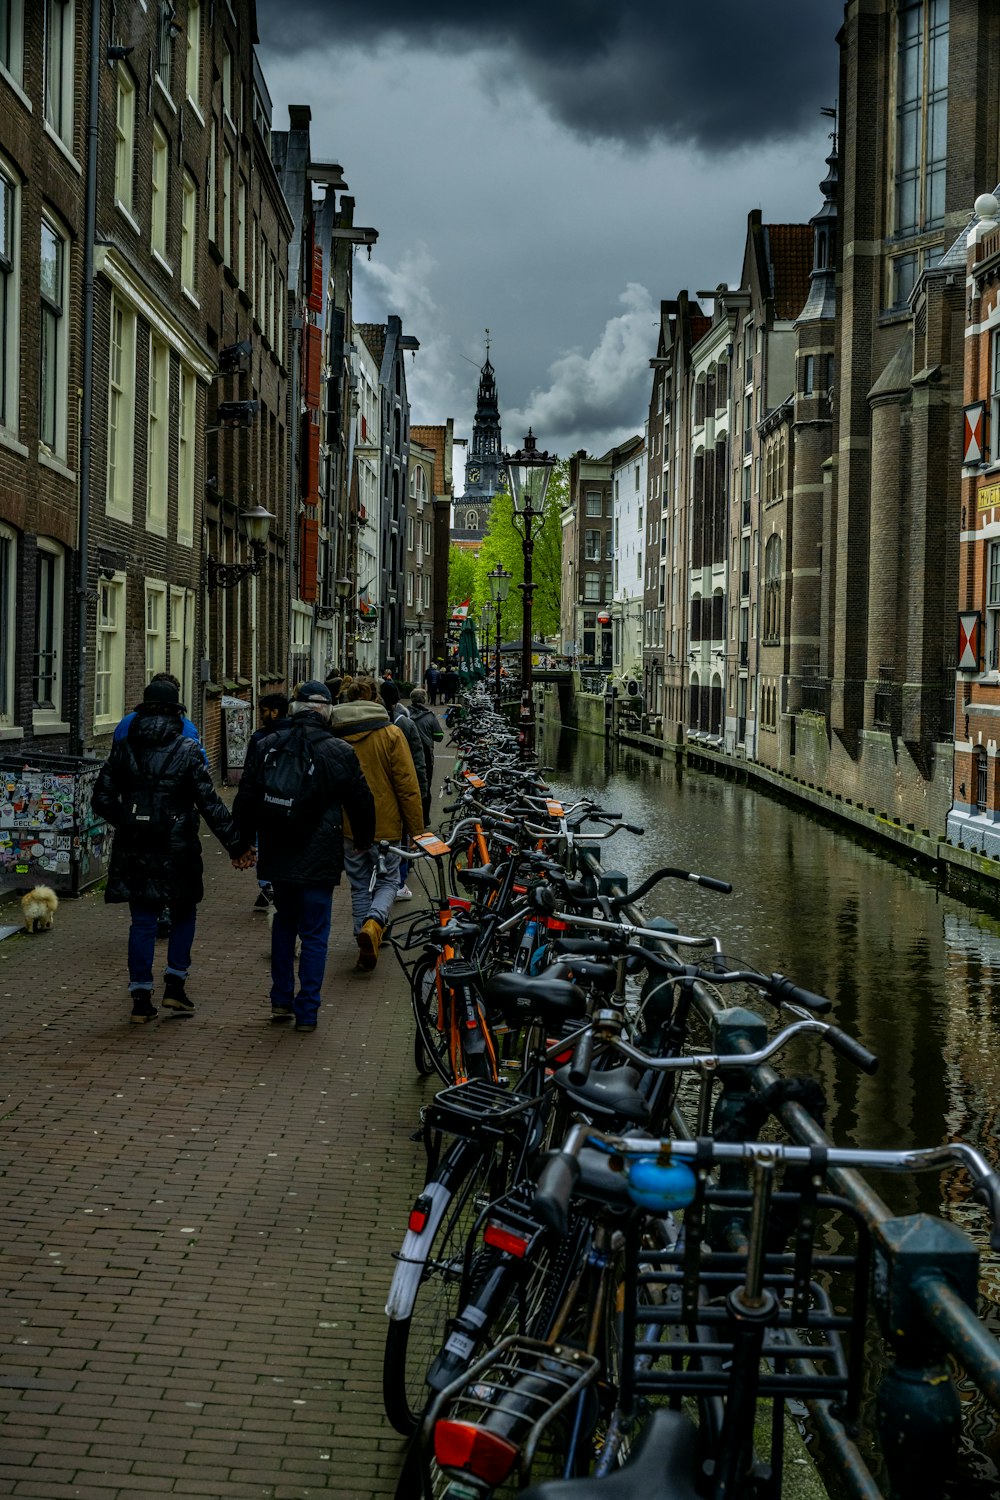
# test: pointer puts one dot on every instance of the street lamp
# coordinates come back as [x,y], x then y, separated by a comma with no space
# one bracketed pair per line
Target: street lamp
[498,579]
[256,524]
[528,474]
[485,616]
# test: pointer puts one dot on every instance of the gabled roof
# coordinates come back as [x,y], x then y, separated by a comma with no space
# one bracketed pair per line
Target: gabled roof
[790,260]
[374,337]
[433,438]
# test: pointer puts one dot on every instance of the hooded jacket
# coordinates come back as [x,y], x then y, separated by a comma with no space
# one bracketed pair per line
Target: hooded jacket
[399,716]
[307,850]
[430,731]
[388,765]
[151,790]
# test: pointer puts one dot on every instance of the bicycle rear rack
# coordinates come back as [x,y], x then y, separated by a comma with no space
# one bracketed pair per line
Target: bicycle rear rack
[520,1388]
[478,1108]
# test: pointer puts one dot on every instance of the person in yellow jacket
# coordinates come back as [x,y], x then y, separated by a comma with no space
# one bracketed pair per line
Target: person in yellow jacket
[389,771]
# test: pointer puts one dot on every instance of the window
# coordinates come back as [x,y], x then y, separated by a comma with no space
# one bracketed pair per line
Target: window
[12,38]
[187,422]
[808,374]
[158,216]
[409,534]
[227,81]
[125,139]
[981,764]
[592,546]
[192,70]
[52,364]
[994,448]
[637,478]
[921,115]
[182,639]
[281,315]
[165,42]
[993,607]
[772,589]
[594,507]
[210,194]
[156,628]
[609,545]
[592,588]
[241,233]
[227,206]
[109,657]
[121,409]
[157,447]
[46,693]
[8,619]
[9,298]
[903,271]
[59,68]
[189,232]
[409,588]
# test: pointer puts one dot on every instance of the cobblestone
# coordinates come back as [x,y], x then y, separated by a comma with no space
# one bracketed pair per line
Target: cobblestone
[200,1216]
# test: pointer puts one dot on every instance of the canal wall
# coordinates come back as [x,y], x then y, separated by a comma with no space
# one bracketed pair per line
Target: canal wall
[915,835]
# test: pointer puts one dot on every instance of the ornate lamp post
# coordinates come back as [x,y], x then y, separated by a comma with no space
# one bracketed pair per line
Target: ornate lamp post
[498,579]
[485,617]
[528,474]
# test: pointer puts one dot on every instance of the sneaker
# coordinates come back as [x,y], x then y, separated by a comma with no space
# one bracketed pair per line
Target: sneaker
[175,997]
[305,1026]
[403,894]
[369,942]
[143,1008]
[281,1013]
[265,899]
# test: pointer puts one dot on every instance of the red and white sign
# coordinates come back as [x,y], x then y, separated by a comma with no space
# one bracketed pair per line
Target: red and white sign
[604,618]
[974,433]
[969,625]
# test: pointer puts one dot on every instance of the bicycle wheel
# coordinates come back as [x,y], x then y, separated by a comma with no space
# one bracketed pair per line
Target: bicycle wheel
[412,1342]
[430,1047]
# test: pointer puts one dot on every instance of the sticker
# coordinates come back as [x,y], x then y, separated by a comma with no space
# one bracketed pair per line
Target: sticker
[555,809]
[431,844]
[473,779]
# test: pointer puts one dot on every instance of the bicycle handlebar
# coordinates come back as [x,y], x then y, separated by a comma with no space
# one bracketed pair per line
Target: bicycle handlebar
[668,873]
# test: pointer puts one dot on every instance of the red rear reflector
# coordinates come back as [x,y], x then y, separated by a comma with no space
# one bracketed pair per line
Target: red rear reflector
[417,1220]
[463,1445]
[504,1239]
[458,903]
[521,890]
[554,925]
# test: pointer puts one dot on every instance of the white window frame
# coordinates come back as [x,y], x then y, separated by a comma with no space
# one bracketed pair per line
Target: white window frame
[159,179]
[192,63]
[165,45]
[10,298]
[241,232]
[109,652]
[121,410]
[227,81]
[49,713]
[155,625]
[158,436]
[187,427]
[55,310]
[182,641]
[125,140]
[12,42]
[594,504]
[189,232]
[59,75]
[8,622]
[409,589]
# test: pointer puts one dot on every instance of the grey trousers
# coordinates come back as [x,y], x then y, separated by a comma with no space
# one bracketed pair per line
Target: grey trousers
[368,900]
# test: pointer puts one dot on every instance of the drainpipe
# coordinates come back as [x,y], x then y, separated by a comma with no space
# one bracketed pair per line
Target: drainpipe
[87,394]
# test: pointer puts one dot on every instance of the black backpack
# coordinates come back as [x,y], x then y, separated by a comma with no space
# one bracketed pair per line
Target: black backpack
[289,776]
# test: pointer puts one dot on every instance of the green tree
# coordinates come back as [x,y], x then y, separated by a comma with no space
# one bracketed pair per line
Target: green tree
[461,575]
[502,544]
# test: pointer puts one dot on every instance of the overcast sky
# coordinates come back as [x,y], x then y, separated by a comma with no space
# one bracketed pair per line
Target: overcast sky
[551,169]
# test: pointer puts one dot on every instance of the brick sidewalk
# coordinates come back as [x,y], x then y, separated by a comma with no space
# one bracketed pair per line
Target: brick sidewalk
[199,1216]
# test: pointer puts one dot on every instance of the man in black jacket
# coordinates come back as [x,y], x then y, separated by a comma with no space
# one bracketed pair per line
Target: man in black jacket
[301,851]
[150,790]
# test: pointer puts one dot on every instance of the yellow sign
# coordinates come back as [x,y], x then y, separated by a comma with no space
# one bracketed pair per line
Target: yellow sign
[989,495]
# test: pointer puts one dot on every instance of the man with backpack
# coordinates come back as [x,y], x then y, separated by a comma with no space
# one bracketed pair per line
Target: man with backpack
[294,785]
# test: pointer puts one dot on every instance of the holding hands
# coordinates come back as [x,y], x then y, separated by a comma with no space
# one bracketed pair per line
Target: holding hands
[246,860]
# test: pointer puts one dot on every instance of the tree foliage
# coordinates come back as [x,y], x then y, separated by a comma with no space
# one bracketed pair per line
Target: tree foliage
[502,544]
[461,575]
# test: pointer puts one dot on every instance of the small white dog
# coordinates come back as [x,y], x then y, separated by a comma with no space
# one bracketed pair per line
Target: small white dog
[38,908]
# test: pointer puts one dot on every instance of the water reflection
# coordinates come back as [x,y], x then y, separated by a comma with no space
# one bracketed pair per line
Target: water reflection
[911,971]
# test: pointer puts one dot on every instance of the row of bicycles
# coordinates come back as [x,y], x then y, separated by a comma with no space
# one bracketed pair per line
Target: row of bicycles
[636,1255]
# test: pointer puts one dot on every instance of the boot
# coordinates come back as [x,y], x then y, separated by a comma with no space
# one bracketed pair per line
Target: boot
[175,997]
[143,1008]
[369,942]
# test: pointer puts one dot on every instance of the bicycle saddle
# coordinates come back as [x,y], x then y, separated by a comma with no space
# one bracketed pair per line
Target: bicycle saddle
[601,977]
[523,995]
[482,879]
[664,1461]
[609,1094]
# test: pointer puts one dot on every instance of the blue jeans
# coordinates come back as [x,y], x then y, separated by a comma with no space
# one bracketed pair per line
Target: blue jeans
[368,900]
[142,941]
[301,911]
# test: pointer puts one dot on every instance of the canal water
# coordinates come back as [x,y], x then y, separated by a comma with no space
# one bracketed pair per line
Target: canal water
[913,972]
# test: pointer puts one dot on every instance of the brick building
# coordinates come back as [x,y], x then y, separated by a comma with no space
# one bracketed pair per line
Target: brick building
[440,441]
[587,561]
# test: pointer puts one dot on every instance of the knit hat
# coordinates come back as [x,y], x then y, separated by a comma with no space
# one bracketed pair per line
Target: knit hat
[312,692]
[161,694]
[389,693]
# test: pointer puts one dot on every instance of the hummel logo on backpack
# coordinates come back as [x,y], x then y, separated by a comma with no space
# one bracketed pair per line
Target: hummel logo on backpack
[288,775]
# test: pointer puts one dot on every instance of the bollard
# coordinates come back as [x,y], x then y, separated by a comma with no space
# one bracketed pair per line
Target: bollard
[917,1410]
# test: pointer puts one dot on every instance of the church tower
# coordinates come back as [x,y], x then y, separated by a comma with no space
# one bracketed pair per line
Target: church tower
[483,466]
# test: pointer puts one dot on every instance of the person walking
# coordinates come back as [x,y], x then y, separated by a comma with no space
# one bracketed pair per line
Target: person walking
[432,682]
[431,734]
[385,758]
[151,790]
[450,682]
[273,708]
[298,788]
[389,693]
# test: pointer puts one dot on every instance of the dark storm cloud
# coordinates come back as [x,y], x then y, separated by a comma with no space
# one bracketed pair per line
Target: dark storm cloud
[720,73]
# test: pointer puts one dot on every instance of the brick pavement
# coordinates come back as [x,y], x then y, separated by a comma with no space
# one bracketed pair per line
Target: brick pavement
[199,1217]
